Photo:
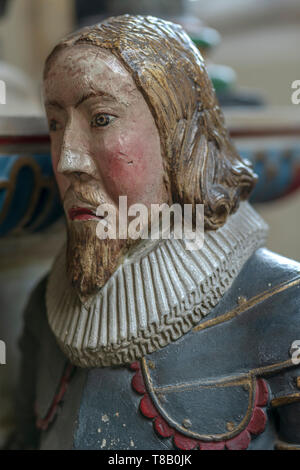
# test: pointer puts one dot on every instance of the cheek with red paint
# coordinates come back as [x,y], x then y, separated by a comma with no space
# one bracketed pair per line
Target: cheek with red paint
[127,167]
[131,164]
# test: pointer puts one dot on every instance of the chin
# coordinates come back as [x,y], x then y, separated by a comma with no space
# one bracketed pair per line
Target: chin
[90,260]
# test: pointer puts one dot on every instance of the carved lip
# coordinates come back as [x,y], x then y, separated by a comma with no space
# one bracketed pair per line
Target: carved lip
[82,213]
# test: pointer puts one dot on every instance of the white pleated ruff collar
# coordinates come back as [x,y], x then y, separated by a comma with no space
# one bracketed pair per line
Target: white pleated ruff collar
[152,299]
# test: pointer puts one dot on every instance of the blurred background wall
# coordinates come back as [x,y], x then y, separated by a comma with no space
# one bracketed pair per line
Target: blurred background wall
[261,42]
[30,28]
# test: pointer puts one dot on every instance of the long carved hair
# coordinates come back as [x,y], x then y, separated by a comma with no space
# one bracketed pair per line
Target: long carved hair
[201,164]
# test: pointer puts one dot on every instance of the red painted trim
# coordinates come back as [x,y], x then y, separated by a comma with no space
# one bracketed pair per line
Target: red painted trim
[184,443]
[24,139]
[262,393]
[162,427]
[264,132]
[257,422]
[239,442]
[43,424]
[212,446]
[256,425]
[295,184]
[138,383]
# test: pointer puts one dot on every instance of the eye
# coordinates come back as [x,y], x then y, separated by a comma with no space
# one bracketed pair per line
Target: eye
[53,125]
[102,120]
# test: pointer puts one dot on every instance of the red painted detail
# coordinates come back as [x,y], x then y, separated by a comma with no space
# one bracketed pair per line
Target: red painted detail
[256,424]
[295,184]
[162,427]
[138,383]
[147,408]
[44,423]
[239,442]
[135,365]
[184,443]
[25,139]
[212,445]
[264,132]
[261,393]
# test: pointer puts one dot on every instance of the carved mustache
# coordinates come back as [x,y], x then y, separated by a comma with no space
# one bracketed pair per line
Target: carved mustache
[84,195]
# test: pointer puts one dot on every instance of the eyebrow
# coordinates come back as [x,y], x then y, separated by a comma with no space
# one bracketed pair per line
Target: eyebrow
[94,94]
[54,103]
[83,98]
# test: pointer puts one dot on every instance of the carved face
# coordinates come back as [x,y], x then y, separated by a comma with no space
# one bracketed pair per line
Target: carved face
[104,144]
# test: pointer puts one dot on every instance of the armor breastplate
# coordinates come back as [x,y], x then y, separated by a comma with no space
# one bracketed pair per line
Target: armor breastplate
[213,388]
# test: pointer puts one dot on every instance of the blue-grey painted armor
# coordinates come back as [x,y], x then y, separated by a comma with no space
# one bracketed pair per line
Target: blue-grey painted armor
[206,378]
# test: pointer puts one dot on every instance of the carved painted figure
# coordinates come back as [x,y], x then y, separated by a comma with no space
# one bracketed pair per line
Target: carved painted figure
[143,344]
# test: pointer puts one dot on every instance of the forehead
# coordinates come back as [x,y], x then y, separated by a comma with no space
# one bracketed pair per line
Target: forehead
[83,68]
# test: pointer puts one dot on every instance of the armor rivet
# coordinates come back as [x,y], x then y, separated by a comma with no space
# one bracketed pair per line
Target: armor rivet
[186,423]
[293,349]
[151,364]
[161,398]
[230,426]
[241,299]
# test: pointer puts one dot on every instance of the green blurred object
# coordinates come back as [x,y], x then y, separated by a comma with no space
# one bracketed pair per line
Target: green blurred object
[222,77]
[206,39]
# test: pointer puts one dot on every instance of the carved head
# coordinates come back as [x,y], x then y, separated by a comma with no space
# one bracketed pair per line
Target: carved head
[132,112]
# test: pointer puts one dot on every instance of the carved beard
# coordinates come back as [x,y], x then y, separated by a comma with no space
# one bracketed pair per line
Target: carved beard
[90,260]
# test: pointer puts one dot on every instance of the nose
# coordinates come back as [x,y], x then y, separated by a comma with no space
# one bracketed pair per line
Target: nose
[71,161]
[74,156]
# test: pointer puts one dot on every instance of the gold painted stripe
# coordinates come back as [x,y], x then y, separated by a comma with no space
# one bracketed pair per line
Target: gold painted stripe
[233,380]
[228,382]
[286,446]
[264,370]
[286,400]
[248,304]
[194,435]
